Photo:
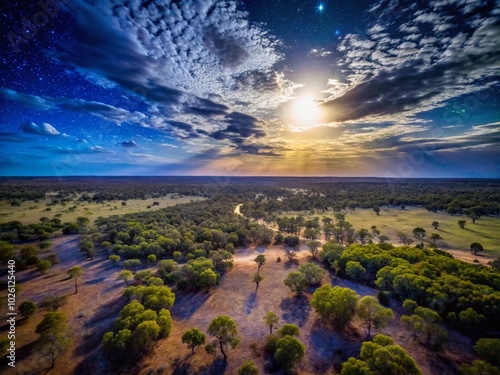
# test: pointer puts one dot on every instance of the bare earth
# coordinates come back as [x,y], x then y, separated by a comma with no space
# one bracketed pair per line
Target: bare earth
[98,302]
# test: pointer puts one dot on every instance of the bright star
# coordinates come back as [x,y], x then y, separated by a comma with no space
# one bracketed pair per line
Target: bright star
[321,7]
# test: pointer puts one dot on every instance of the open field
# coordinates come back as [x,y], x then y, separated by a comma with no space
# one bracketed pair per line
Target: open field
[30,212]
[486,230]
[92,311]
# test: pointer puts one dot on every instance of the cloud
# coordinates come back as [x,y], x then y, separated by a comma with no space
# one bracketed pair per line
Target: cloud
[319,52]
[414,68]
[129,144]
[101,110]
[167,145]
[43,129]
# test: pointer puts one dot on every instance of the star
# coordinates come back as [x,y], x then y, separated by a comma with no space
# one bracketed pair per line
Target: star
[321,7]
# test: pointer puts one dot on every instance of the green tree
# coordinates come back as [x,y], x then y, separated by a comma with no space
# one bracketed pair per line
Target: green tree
[257,278]
[435,237]
[488,349]
[312,273]
[208,279]
[479,368]
[405,238]
[260,260]
[53,344]
[248,368]
[52,321]
[376,209]
[289,352]
[125,275]
[419,233]
[27,308]
[335,304]
[373,314]
[143,337]
[470,317]
[43,265]
[461,223]
[381,357]
[435,224]
[271,320]
[296,282]
[193,338]
[6,251]
[289,329]
[151,259]
[409,306]
[426,325]
[223,329]
[290,253]
[114,259]
[74,273]
[131,264]
[314,248]
[355,271]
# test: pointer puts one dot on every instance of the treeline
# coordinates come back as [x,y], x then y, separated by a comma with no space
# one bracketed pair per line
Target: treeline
[467,295]
[455,197]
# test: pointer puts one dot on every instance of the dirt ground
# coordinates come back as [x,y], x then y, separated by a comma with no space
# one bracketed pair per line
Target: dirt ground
[98,302]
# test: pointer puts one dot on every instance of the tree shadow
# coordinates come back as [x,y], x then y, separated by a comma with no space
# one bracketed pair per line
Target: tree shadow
[291,263]
[251,302]
[295,309]
[336,346]
[186,304]
[95,281]
[217,367]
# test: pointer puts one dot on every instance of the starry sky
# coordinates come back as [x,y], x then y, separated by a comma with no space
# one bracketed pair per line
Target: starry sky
[383,88]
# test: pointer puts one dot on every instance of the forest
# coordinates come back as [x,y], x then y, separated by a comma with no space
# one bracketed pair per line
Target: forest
[174,276]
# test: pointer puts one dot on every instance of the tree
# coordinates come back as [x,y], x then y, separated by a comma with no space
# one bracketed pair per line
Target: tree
[43,265]
[74,273]
[461,223]
[289,352]
[376,209]
[289,329]
[52,321]
[409,306]
[248,368]
[54,343]
[296,282]
[488,349]
[363,235]
[290,254]
[131,264]
[27,308]
[257,278]
[373,314]
[6,251]
[151,258]
[435,224]
[193,338]
[260,260]
[355,270]
[114,259]
[314,248]
[312,273]
[405,238]
[476,248]
[208,279]
[382,357]
[335,304]
[125,275]
[435,237]
[383,238]
[419,233]
[223,329]
[426,325]
[143,337]
[271,320]
[479,368]
[52,303]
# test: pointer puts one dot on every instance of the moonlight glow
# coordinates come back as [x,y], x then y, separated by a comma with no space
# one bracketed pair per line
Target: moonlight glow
[305,111]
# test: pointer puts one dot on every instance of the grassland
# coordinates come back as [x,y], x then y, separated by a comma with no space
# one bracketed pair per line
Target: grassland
[486,230]
[30,212]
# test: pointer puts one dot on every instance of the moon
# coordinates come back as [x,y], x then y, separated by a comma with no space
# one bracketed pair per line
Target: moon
[305,111]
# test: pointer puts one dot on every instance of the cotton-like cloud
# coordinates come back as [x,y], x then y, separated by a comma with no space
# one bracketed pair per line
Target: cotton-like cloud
[43,129]
[414,68]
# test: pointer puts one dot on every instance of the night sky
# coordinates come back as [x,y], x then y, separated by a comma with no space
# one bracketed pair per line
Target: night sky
[380,88]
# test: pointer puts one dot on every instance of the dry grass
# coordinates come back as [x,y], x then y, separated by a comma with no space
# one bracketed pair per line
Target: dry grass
[92,311]
[31,212]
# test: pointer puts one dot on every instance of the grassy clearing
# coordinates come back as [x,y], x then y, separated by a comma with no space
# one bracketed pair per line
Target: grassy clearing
[31,212]
[486,230]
